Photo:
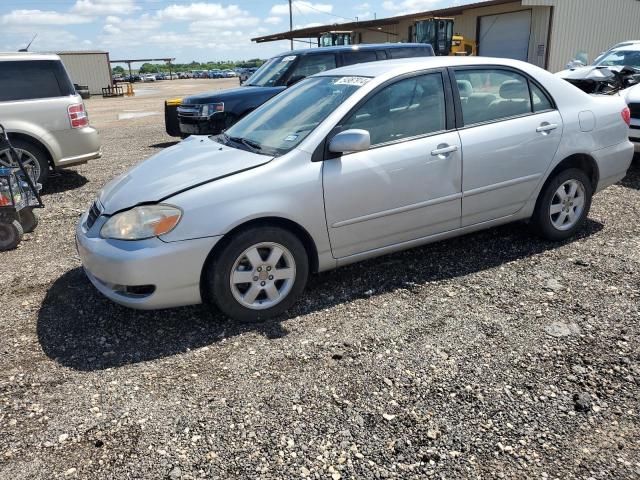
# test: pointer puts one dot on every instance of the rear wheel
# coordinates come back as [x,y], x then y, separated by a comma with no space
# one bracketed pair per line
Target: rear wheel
[563,205]
[35,160]
[28,220]
[258,274]
[10,235]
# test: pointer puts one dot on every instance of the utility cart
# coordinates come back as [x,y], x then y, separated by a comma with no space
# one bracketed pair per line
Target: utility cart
[19,196]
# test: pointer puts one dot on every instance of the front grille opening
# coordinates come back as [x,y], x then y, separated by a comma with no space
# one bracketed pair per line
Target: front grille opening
[94,213]
[134,291]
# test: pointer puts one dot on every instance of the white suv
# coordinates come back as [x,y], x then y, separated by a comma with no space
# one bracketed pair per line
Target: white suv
[45,117]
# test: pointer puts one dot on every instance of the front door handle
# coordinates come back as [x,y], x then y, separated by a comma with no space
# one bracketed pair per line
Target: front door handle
[444,150]
[546,127]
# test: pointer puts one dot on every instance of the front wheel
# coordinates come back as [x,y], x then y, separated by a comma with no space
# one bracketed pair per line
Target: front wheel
[259,273]
[563,205]
[28,220]
[10,235]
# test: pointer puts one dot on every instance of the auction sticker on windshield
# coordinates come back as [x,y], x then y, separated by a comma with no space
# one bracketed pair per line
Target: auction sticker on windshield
[358,81]
[288,58]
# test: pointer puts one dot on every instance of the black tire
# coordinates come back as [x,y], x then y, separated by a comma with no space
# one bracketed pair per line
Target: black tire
[216,279]
[541,221]
[28,220]
[10,235]
[40,155]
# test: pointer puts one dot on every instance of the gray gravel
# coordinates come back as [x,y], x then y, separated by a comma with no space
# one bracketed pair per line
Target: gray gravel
[495,355]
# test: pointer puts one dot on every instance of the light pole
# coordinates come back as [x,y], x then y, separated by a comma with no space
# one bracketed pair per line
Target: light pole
[291,22]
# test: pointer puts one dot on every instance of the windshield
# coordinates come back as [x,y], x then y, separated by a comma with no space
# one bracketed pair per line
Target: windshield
[271,72]
[621,58]
[282,123]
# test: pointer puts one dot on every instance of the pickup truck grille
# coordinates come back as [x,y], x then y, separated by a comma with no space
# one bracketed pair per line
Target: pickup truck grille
[94,213]
[189,110]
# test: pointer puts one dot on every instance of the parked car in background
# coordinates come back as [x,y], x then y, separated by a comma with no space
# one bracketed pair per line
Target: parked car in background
[616,72]
[346,165]
[44,115]
[212,112]
[245,73]
[149,77]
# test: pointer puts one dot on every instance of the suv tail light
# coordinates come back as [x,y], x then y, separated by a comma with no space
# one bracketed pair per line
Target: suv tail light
[78,115]
[626,116]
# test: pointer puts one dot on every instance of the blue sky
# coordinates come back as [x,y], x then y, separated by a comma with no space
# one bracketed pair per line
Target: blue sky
[184,29]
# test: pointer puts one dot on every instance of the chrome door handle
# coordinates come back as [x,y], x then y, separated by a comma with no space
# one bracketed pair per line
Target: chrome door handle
[546,127]
[444,150]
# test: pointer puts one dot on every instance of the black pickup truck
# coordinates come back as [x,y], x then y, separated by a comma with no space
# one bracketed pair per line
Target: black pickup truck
[211,112]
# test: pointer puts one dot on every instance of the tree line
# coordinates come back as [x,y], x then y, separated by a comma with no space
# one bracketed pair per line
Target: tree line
[187,67]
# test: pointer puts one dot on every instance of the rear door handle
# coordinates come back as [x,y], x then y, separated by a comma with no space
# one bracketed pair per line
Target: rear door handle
[444,150]
[546,127]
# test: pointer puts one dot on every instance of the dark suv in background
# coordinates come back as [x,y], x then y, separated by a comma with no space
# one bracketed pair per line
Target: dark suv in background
[211,112]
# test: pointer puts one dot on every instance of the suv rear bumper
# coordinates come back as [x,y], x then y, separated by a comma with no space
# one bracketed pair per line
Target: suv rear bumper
[76,146]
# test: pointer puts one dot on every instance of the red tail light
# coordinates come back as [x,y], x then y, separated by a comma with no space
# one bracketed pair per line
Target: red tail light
[626,116]
[78,116]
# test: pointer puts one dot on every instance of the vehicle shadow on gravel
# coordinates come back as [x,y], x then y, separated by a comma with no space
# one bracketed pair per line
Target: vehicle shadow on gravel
[632,180]
[63,181]
[81,329]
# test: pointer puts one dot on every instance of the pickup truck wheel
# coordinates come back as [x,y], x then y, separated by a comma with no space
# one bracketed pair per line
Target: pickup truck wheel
[259,273]
[33,157]
[10,235]
[563,205]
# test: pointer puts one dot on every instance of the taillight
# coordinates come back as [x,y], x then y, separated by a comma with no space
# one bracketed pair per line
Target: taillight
[78,116]
[626,116]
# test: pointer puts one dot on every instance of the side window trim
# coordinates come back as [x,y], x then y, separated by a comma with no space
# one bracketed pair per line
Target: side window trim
[458,105]
[449,120]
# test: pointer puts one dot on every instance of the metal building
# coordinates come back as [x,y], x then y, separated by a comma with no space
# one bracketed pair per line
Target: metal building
[90,68]
[547,33]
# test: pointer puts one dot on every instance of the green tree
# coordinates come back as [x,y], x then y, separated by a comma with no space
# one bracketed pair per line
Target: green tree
[118,70]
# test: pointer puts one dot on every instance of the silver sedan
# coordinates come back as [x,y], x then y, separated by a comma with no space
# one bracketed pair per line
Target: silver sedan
[347,165]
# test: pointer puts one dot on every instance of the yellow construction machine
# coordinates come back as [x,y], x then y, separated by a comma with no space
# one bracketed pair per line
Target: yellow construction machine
[438,32]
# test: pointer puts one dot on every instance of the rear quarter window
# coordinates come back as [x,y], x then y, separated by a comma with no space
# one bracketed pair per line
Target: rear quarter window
[410,52]
[33,79]
[351,58]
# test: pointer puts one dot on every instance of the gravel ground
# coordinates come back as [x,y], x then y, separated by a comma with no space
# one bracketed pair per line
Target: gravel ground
[495,355]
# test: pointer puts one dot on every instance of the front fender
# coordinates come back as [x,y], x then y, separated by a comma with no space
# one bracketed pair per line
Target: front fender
[290,187]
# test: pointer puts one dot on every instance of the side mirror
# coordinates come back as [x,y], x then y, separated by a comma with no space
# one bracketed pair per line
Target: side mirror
[350,141]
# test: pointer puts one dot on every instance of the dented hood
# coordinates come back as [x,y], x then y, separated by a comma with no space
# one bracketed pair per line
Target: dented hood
[192,162]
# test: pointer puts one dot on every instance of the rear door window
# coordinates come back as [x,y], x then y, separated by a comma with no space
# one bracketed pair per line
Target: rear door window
[351,58]
[409,52]
[33,79]
[311,64]
[491,94]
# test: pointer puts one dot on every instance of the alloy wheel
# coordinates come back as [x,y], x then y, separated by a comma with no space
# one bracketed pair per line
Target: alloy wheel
[263,275]
[567,205]
[29,161]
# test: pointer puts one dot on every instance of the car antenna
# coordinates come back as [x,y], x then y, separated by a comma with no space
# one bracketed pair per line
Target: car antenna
[27,47]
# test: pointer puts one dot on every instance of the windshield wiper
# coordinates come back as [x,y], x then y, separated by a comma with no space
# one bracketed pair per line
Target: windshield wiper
[250,144]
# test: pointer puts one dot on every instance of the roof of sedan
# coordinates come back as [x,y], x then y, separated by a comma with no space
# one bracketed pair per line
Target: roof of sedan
[405,65]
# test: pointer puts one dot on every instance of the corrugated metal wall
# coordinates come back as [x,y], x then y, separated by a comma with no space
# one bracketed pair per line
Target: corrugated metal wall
[90,69]
[590,26]
[467,23]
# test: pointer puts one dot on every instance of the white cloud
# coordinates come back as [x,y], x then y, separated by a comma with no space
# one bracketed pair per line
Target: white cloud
[300,6]
[408,6]
[41,17]
[362,7]
[273,20]
[104,7]
[203,11]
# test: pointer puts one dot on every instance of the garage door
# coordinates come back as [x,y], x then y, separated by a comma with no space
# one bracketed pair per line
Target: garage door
[505,35]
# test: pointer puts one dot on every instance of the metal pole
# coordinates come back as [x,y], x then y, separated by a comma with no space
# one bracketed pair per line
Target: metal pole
[291,22]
